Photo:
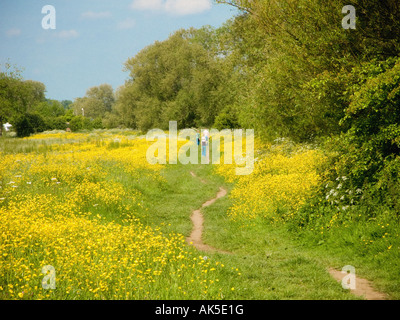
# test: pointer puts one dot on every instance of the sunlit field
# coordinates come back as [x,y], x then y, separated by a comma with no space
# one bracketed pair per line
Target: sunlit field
[279,185]
[73,201]
[114,227]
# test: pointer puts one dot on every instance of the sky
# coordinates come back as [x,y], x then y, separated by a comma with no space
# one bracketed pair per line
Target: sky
[92,39]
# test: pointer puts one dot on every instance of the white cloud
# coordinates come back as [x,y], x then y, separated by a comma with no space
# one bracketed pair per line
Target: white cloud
[67,34]
[177,7]
[14,32]
[186,7]
[126,24]
[96,15]
[147,4]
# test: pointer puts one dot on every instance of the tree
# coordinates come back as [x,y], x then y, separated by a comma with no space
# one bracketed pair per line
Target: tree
[36,93]
[49,109]
[28,124]
[295,89]
[66,104]
[97,101]
[16,95]
[177,79]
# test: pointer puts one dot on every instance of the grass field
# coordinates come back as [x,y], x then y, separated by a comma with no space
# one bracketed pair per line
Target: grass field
[114,227]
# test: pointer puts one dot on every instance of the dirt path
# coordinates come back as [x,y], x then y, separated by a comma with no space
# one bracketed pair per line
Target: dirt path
[363,287]
[197,218]
[195,176]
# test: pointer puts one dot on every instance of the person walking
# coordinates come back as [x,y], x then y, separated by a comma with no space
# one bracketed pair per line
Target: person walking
[204,146]
[198,138]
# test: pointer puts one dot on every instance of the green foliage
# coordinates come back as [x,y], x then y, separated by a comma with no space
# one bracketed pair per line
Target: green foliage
[111,120]
[373,116]
[18,99]
[29,123]
[66,104]
[49,109]
[96,103]
[227,119]
[78,123]
[362,176]
[294,57]
[13,94]
[23,127]
[56,123]
[177,79]
[97,123]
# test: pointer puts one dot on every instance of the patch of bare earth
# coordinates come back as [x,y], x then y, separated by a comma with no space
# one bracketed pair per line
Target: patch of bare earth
[363,287]
[197,218]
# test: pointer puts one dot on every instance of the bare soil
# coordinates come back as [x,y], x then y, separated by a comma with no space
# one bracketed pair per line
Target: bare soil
[363,287]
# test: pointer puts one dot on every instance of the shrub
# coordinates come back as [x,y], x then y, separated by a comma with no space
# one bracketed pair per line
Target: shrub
[28,124]
[226,120]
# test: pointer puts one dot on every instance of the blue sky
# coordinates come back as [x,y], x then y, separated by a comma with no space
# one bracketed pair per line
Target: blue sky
[93,38]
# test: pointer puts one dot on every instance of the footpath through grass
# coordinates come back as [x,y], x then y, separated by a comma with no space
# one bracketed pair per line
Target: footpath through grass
[270,260]
[265,263]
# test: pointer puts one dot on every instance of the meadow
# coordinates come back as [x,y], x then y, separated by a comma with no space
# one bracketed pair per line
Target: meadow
[75,202]
[114,227]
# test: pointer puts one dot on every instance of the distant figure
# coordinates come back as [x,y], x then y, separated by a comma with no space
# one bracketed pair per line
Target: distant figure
[68,130]
[206,134]
[198,138]
[203,147]
[204,144]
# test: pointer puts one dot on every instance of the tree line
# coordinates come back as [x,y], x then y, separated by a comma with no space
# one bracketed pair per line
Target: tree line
[284,69]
